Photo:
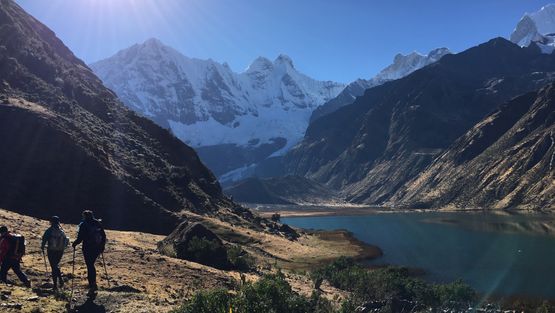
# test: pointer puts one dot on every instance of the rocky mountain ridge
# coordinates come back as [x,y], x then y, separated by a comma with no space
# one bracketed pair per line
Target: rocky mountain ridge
[402,66]
[371,148]
[507,160]
[68,144]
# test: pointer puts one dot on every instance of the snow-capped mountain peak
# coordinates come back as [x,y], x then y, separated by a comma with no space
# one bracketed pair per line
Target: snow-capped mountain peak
[406,64]
[205,103]
[537,27]
[260,64]
[402,66]
[284,60]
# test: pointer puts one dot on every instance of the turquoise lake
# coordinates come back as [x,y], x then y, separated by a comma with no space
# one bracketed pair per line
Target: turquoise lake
[496,254]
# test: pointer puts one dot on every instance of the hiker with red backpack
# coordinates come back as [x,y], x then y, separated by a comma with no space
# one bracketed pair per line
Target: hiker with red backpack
[92,235]
[56,240]
[12,249]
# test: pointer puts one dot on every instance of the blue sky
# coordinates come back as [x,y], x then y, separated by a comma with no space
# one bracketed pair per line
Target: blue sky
[327,39]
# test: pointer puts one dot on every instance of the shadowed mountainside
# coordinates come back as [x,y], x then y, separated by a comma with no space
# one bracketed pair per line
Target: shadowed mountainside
[371,148]
[281,190]
[507,160]
[67,143]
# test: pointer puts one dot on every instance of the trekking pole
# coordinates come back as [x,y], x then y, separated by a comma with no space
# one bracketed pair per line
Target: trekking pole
[106,270]
[45,266]
[72,280]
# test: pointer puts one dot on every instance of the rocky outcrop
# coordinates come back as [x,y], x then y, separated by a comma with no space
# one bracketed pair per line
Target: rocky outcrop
[195,242]
[68,144]
[506,161]
[387,137]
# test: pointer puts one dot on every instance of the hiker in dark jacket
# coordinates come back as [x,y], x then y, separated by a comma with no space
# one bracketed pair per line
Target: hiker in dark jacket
[11,252]
[93,237]
[56,240]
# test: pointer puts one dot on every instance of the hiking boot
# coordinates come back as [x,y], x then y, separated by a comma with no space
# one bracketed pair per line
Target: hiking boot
[27,284]
[91,292]
[61,282]
[93,289]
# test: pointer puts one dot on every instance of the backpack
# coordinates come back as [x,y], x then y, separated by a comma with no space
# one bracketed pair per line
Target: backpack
[17,246]
[96,238]
[58,240]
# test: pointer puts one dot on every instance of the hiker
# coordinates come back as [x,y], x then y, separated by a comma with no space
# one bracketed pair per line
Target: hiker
[12,249]
[93,237]
[57,241]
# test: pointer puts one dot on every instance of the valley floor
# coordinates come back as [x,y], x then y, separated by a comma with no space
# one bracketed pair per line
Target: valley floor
[142,280]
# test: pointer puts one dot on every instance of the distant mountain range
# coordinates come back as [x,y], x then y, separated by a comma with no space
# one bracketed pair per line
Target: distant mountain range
[250,115]
[387,137]
[245,117]
[376,141]
[68,144]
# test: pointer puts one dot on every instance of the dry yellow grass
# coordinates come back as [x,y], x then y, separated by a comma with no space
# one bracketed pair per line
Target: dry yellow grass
[161,282]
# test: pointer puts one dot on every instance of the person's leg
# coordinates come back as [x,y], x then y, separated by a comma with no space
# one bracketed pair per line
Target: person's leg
[90,259]
[59,259]
[54,258]
[17,270]
[4,271]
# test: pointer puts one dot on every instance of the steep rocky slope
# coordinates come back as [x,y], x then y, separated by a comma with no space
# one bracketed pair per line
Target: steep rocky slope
[370,148]
[507,160]
[282,190]
[67,143]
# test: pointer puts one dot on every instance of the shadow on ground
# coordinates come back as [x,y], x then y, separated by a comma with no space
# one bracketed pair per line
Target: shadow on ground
[89,307]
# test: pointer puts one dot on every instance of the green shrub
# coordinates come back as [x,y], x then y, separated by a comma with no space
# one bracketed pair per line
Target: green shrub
[276,217]
[456,291]
[202,248]
[389,283]
[270,294]
[240,259]
[212,301]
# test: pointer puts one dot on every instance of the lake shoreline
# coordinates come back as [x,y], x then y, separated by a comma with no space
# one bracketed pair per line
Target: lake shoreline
[334,209]
[511,247]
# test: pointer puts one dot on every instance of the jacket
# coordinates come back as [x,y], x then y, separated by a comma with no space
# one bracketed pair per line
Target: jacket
[84,235]
[5,248]
[48,233]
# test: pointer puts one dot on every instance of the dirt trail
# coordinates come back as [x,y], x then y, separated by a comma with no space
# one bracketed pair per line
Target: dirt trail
[142,280]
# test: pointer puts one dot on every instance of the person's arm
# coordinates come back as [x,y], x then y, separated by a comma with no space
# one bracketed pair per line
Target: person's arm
[80,235]
[45,238]
[4,246]
[66,239]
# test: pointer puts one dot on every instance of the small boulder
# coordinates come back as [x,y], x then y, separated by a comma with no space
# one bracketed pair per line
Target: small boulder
[194,242]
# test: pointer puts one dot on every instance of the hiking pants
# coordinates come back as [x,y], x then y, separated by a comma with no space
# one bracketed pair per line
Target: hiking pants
[54,258]
[15,266]
[90,259]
